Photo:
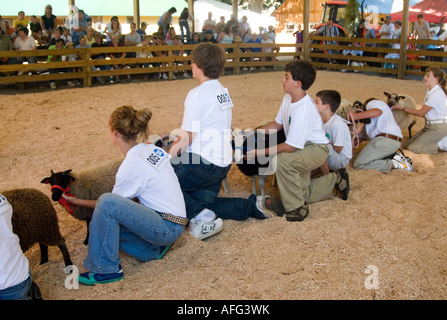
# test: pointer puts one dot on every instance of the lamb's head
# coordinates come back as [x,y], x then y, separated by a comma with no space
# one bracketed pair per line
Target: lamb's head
[59,182]
[240,143]
[393,98]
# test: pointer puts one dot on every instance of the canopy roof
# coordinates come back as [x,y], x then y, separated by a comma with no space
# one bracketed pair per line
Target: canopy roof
[433,11]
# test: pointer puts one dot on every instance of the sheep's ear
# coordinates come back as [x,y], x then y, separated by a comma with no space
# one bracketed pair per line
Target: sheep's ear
[387,94]
[67,173]
[401,97]
[46,180]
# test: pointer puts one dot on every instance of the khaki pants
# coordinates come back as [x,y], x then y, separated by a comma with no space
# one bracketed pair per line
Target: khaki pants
[426,140]
[374,155]
[293,176]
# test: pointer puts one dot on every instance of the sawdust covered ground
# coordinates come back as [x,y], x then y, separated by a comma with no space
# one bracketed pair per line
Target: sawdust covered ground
[394,222]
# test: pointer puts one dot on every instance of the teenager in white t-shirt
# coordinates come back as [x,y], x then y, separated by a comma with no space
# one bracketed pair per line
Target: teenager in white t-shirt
[336,129]
[385,139]
[15,279]
[143,229]
[434,110]
[202,153]
[305,148]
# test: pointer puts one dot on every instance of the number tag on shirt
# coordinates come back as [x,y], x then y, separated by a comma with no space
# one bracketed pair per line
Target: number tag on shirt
[223,99]
[157,158]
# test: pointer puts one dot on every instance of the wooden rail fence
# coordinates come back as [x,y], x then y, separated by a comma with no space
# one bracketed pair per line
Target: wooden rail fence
[412,61]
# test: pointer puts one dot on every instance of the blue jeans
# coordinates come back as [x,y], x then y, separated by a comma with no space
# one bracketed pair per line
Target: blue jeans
[17,292]
[184,24]
[119,223]
[201,181]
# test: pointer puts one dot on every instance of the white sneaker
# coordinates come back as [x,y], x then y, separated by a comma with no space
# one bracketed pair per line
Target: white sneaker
[185,75]
[52,85]
[164,76]
[402,162]
[71,84]
[252,69]
[245,68]
[202,230]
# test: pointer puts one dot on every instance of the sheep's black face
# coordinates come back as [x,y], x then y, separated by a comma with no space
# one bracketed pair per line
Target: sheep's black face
[61,179]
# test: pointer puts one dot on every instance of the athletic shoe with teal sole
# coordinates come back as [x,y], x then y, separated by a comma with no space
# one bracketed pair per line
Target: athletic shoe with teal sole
[92,278]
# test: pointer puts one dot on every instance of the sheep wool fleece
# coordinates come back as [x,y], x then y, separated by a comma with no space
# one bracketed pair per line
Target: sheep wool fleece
[14,266]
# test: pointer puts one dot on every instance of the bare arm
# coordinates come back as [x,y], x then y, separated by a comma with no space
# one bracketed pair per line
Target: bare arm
[416,112]
[182,142]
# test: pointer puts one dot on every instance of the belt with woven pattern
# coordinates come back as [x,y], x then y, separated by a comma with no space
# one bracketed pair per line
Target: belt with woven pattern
[176,219]
[390,136]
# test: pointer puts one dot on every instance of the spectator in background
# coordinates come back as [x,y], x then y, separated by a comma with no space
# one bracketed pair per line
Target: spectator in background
[117,55]
[8,30]
[220,25]
[329,30]
[254,39]
[195,39]
[271,33]
[132,39]
[299,38]
[387,30]
[65,35]
[209,24]
[142,30]
[266,39]
[209,37]
[25,42]
[183,22]
[59,45]
[36,29]
[243,27]
[21,21]
[165,21]
[101,56]
[49,23]
[90,36]
[421,31]
[78,27]
[108,30]
[114,29]
[226,36]
[443,37]
[144,54]
[6,45]
[57,35]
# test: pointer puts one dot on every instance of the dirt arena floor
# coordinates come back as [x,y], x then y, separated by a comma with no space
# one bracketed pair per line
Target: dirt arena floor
[387,241]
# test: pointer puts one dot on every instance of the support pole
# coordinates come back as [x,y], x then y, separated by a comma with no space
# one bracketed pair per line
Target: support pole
[403,40]
[306,20]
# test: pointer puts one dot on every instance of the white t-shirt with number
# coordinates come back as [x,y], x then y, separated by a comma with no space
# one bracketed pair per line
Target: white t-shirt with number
[147,173]
[208,113]
[301,122]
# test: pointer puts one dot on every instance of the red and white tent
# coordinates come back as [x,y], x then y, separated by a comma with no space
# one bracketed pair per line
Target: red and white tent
[433,11]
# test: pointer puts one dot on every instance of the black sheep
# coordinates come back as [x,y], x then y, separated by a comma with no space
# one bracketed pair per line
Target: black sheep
[34,220]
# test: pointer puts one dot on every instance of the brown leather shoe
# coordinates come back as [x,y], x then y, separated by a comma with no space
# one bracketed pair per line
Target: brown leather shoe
[299,214]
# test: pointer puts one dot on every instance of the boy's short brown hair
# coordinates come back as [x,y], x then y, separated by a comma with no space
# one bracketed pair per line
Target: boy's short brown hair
[330,97]
[302,71]
[209,58]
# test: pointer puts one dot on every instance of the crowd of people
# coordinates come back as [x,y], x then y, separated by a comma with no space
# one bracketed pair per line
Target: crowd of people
[79,31]
[388,30]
